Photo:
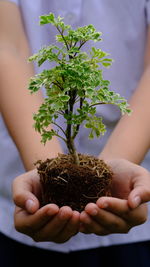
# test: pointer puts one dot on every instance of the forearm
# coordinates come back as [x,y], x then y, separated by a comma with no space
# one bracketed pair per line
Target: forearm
[17,107]
[131,137]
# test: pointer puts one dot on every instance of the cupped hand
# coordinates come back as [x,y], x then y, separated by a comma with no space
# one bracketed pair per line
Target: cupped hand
[126,208]
[48,223]
[111,215]
[130,181]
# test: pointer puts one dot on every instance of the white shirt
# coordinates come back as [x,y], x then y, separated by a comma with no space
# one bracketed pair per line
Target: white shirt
[124,27]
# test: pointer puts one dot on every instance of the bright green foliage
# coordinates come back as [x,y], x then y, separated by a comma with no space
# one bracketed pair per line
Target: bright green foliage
[76,78]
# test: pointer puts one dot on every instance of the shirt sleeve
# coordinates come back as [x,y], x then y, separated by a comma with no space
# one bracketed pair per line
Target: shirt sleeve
[148,11]
[13,1]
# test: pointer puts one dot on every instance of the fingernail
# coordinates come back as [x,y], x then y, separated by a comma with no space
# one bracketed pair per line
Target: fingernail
[94,212]
[136,201]
[29,205]
[104,205]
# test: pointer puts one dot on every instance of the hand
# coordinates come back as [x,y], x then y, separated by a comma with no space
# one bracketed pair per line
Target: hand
[124,210]
[48,223]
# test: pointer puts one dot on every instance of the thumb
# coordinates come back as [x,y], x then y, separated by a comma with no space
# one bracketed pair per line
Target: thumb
[23,188]
[141,191]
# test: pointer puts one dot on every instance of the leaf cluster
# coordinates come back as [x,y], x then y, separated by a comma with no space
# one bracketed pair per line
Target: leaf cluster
[75,86]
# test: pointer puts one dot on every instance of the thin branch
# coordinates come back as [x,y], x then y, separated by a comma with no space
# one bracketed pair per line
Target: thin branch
[77,99]
[61,33]
[61,113]
[72,94]
[74,44]
[78,126]
[59,85]
[101,103]
[70,44]
[79,47]
[82,43]
[61,138]
[59,127]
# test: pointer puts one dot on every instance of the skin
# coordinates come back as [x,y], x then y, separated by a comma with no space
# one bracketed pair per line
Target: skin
[125,209]
[14,52]
[51,223]
[117,214]
[48,223]
[131,132]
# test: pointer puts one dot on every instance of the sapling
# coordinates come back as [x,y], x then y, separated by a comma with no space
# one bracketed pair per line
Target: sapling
[74,86]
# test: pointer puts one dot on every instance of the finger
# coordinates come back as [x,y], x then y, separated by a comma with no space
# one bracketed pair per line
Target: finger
[51,231]
[137,216]
[110,221]
[88,225]
[70,229]
[115,205]
[29,223]
[24,188]
[120,208]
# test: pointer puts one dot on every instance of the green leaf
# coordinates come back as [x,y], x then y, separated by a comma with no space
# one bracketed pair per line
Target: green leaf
[45,19]
[75,85]
[64,98]
[96,125]
[47,136]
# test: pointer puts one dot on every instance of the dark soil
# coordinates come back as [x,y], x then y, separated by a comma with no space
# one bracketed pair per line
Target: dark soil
[65,183]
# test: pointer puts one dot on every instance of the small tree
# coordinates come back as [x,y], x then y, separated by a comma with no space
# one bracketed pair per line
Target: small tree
[75,80]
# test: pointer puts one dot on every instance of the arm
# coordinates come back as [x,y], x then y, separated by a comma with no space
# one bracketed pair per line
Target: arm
[128,143]
[16,103]
[133,132]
